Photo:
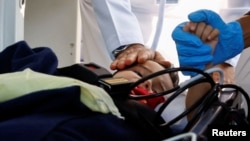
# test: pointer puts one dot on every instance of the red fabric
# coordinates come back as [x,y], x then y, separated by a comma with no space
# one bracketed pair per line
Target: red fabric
[151,102]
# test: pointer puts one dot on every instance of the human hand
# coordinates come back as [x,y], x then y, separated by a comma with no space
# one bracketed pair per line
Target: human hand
[190,37]
[206,33]
[230,41]
[137,53]
[210,36]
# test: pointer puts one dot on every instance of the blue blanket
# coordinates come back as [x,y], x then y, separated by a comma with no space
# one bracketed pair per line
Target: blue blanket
[20,56]
[56,114]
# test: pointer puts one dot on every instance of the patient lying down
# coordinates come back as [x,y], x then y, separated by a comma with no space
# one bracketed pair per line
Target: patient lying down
[169,80]
[35,101]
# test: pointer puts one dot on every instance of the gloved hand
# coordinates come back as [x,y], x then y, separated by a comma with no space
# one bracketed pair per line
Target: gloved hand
[229,45]
[192,52]
[231,40]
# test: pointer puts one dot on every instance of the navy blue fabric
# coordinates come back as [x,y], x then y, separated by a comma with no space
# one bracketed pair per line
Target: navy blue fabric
[95,128]
[20,56]
[58,114]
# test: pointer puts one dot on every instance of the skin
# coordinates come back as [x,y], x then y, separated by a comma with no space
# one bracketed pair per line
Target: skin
[244,21]
[136,72]
[137,53]
[148,66]
[161,83]
[205,32]
[209,36]
[228,71]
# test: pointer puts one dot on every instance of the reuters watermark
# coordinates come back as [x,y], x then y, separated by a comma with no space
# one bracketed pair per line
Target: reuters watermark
[234,131]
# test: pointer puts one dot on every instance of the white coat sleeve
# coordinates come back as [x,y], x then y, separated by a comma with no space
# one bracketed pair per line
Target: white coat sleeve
[233,61]
[118,24]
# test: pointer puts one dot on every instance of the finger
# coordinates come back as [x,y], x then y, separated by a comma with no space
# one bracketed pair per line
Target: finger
[145,55]
[126,58]
[193,26]
[214,34]
[165,63]
[120,61]
[205,34]
[130,58]
[159,58]
[190,27]
[187,27]
[114,65]
[189,39]
[207,16]
[199,29]
[124,61]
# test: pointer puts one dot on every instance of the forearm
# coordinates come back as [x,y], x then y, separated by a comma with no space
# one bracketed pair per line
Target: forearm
[244,21]
[118,24]
[194,94]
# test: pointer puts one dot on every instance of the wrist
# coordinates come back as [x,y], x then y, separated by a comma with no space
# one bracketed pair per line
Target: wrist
[244,22]
[120,49]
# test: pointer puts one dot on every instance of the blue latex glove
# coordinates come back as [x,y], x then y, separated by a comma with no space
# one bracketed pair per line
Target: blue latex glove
[195,54]
[231,41]
[192,52]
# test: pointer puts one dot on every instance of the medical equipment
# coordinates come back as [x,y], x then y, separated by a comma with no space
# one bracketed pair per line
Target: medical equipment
[62,104]
[159,24]
[94,74]
[220,105]
[160,21]
[47,96]
[229,38]
[184,136]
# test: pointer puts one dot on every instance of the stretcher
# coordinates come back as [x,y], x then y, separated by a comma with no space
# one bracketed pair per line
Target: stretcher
[222,106]
[53,111]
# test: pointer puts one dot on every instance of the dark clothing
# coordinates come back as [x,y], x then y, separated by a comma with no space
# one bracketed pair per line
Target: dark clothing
[20,56]
[58,114]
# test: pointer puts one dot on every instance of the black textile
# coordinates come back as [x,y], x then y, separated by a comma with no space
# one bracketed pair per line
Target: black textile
[58,114]
[20,56]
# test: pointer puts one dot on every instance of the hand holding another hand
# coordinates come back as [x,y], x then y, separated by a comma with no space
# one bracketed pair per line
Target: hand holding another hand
[195,51]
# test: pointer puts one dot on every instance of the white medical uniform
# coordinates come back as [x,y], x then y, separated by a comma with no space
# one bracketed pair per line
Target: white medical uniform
[121,22]
[108,24]
[242,73]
